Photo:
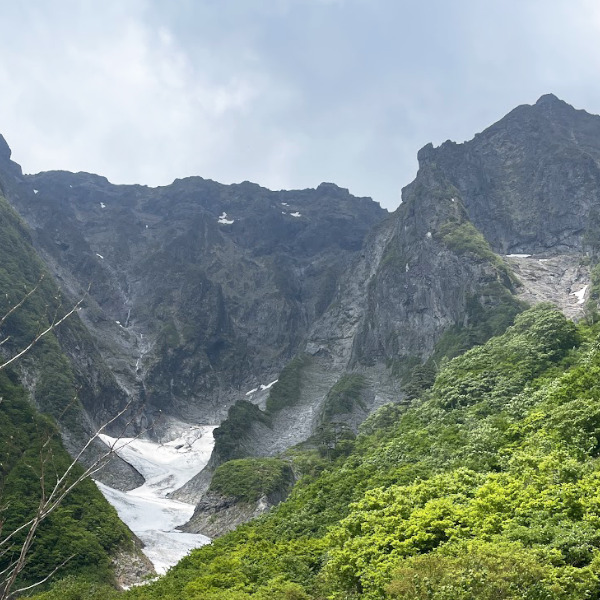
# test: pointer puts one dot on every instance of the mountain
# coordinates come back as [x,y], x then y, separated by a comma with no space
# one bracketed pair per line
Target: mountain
[287,318]
[448,269]
[485,487]
[480,481]
[83,532]
[529,184]
[200,291]
[487,227]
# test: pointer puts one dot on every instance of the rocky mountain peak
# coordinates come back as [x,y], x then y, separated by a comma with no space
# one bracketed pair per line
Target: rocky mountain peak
[550,100]
[5,151]
[531,181]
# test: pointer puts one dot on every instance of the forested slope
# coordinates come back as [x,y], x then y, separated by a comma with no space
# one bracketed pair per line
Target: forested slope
[487,487]
[85,531]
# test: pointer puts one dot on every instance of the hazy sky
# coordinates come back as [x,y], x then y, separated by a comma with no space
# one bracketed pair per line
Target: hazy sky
[285,93]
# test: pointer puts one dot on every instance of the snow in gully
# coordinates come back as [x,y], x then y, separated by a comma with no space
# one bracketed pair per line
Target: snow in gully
[165,467]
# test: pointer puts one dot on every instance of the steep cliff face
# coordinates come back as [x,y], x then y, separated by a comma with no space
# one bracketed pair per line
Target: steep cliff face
[531,182]
[199,291]
[64,371]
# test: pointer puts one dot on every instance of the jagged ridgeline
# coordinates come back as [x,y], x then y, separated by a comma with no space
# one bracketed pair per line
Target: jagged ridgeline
[85,529]
[486,487]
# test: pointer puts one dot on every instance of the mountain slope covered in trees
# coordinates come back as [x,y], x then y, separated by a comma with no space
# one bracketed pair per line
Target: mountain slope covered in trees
[486,487]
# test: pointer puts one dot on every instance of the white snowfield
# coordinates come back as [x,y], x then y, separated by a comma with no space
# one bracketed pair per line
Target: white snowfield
[166,467]
[580,295]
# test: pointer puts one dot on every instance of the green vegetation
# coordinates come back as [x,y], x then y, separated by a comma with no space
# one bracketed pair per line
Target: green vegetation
[591,237]
[20,272]
[343,396]
[392,257]
[248,479]
[232,432]
[85,527]
[287,390]
[462,237]
[482,322]
[79,588]
[591,306]
[494,316]
[486,487]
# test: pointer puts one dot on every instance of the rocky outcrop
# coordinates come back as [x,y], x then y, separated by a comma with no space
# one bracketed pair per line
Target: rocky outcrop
[215,515]
[562,279]
[531,182]
[132,567]
[439,274]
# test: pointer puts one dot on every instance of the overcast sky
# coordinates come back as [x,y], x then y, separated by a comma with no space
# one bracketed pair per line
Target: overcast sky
[285,93]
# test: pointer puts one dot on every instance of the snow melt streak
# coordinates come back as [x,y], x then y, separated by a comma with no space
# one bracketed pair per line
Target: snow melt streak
[146,510]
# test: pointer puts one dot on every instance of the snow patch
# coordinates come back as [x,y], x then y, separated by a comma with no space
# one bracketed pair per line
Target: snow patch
[428,235]
[102,205]
[518,255]
[580,294]
[165,467]
[223,220]
[252,392]
[36,191]
[296,214]
[284,204]
[268,386]
[100,256]
[407,269]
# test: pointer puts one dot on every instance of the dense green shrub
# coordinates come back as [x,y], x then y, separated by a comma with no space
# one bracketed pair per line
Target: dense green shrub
[85,529]
[248,479]
[486,487]
[344,395]
[287,390]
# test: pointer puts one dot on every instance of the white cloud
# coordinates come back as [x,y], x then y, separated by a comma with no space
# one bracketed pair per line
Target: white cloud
[287,93]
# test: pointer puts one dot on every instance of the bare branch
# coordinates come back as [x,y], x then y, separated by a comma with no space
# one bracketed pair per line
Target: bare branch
[39,336]
[64,482]
[33,585]
[22,301]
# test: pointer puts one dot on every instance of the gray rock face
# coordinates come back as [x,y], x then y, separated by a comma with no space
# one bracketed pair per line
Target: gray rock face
[215,515]
[531,182]
[199,291]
